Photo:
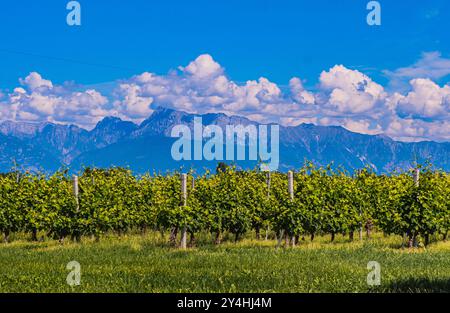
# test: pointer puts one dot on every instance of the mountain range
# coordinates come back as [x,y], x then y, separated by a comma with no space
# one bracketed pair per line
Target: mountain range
[47,147]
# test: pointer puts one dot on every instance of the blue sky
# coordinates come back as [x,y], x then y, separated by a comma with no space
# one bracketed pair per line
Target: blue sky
[277,40]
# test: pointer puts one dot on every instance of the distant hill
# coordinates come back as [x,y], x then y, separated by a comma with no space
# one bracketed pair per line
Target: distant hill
[147,147]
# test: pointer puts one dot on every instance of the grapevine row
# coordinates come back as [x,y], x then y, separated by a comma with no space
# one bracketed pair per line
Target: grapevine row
[321,201]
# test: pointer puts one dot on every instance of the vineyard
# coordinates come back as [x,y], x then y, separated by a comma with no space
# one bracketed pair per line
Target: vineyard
[289,207]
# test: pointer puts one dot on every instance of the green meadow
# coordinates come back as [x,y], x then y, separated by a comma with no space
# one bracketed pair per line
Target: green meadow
[146,263]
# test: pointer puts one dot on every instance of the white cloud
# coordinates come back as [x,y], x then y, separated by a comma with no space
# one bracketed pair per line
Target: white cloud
[131,103]
[350,90]
[409,129]
[203,67]
[344,97]
[40,100]
[426,100]
[431,65]
[298,92]
[364,126]
[35,81]
[198,88]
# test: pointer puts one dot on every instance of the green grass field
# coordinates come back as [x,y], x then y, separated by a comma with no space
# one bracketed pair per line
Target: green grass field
[136,263]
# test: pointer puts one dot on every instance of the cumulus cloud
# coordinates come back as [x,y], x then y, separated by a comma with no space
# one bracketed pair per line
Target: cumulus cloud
[199,87]
[299,93]
[351,90]
[131,103]
[343,96]
[39,100]
[426,100]
[364,126]
[203,67]
[431,65]
[34,81]
[408,129]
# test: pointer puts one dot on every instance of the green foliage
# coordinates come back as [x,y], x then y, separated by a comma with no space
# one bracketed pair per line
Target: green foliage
[11,214]
[325,201]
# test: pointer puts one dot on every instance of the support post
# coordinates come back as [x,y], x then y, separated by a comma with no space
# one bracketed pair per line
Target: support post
[268,184]
[291,195]
[184,203]
[77,203]
[75,191]
[416,176]
[358,173]
[291,185]
[268,196]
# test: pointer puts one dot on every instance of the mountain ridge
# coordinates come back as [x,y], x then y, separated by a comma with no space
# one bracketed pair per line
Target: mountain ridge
[146,146]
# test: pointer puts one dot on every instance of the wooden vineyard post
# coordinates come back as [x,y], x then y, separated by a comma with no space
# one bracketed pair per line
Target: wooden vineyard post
[77,202]
[360,217]
[268,196]
[184,203]
[412,237]
[291,196]
[268,184]
[291,185]
[192,239]
[416,176]
[75,191]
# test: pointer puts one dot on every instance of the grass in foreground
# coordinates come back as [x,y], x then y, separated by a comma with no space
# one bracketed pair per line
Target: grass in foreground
[136,263]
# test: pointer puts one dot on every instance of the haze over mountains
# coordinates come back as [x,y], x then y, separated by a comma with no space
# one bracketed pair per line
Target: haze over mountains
[147,147]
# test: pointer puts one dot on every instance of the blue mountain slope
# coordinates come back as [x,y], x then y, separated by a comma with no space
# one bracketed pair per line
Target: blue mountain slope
[26,155]
[147,147]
